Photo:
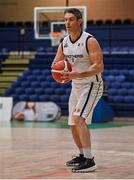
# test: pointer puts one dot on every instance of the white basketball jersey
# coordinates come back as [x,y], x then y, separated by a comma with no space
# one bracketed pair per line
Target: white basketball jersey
[76,53]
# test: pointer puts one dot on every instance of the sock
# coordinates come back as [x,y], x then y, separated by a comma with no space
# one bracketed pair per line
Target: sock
[87,152]
[81,151]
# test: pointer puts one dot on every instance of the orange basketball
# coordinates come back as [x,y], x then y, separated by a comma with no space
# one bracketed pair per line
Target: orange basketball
[58,68]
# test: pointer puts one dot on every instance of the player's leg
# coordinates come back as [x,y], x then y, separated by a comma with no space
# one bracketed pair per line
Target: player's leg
[77,159]
[88,163]
[72,105]
[76,137]
[82,131]
[80,158]
[84,109]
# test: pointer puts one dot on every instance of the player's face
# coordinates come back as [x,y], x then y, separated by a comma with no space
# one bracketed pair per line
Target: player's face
[72,23]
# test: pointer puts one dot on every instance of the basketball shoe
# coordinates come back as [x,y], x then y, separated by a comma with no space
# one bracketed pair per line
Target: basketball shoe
[86,166]
[76,160]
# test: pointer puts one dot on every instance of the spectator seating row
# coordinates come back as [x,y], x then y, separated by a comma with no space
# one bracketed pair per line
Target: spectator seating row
[89,22]
[111,37]
[37,84]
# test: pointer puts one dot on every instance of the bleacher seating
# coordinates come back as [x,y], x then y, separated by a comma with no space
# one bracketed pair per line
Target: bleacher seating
[37,84]
[114,35]
[116,39]
[119,77]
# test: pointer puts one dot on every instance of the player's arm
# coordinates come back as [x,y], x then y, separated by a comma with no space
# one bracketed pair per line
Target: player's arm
[59,55]
[95,58]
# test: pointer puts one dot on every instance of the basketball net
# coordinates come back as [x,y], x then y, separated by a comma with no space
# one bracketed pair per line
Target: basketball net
[55,38]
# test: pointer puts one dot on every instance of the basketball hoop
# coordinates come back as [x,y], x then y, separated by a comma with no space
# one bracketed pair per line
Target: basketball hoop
[55,38]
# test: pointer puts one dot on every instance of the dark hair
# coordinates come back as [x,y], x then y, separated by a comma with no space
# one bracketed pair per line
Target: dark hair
[74,11]
[26,106]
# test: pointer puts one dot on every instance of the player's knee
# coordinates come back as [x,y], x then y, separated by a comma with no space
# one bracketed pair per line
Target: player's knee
[79,121]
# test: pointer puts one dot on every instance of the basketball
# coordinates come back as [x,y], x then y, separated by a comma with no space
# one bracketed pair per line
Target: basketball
[58,68]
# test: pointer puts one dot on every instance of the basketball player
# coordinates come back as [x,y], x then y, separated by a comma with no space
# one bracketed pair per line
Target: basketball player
[83,52]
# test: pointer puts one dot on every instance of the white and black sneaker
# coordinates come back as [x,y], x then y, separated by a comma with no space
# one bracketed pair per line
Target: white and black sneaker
[87,166]
[76,160]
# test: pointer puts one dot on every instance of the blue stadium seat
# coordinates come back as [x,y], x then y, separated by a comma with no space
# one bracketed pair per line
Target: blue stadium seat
[110,78]
[54,84]
[132,85]
[27,73]
[60,91]
[112,91]
[120,78]
[39,91]
[114,72]
[122,91]
[36,71]
[46,72]
[16,84]
[23,97]
[129,99]
[19,90]
[55,98]
[34,97]
[64,98]
[115,85]
[40,49]
[68,90]
[31,78]
[9,91]
[118,99]
[49,78]
[106,50]
[131,72]
[124,72]
[40,78]
[106,72]
[131,92]
[44,97]
[15,97]
[126,85]
[66,85]
[110,98]
[51,49]
[107,84]
[29,91]
[131,50]
[25,84]
[22,78]
[45,84]
[49,91]
[35,84]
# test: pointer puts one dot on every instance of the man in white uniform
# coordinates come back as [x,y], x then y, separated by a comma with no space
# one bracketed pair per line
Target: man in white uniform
[83,52]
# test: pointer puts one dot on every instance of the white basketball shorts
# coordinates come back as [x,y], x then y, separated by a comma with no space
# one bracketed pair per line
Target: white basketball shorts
[83,99]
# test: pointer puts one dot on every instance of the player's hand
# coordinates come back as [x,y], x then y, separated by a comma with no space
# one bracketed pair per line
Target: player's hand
[65,76]
[70,75]
[53,63]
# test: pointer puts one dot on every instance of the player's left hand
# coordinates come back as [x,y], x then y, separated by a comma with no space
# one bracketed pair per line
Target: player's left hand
[70,75]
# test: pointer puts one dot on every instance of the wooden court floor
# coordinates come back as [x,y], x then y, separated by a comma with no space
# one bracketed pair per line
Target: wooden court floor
[40,153]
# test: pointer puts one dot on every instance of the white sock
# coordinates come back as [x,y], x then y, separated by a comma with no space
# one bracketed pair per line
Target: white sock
[87,152]
[81,151]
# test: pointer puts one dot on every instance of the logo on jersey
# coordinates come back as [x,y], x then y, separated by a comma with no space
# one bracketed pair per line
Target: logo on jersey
[66,45]
[75,56]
